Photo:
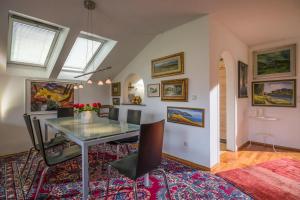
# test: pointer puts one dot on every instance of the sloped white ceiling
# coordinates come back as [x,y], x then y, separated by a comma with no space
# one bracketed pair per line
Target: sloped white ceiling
[133,23]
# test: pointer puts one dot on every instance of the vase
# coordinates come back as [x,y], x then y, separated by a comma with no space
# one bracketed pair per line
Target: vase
[87,116]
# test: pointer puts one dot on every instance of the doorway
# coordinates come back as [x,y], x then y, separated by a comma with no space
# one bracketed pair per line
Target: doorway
[222,104]
[227,102]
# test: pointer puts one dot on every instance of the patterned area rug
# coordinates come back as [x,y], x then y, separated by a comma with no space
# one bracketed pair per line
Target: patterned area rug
[278,179]
[64,181]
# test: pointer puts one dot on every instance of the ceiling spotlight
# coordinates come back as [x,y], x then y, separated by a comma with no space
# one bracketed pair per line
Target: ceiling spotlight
[75,87]
[108,81]
[100,83]
[90,82]
[80,86]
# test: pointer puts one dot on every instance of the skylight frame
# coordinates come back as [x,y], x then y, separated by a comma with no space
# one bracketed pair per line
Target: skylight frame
[31,22]
[92,59]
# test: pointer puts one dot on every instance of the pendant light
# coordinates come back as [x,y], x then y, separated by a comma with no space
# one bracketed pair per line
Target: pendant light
[90,82]
[100,82]
[108,81]
[80,86]
[75,87]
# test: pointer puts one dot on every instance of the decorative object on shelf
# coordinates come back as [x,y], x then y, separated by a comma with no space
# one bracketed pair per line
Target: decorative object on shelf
[153,90]
[168,66]
[276,93]
[174,90]
[242,80]
[130,86]
[136,100]
[187,116]
[87,112]
[275,62]
[116,101]
[44,97]
[116,89]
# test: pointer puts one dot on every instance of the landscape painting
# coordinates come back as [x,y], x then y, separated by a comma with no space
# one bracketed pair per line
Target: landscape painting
[168,65]
[153,90]
[242,80]
[47,96]
[276,62]
[187,116]
[280,93]
[174,90]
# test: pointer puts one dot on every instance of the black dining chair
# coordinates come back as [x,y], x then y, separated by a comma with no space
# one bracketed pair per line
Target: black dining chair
[146,160]
[65,112]
[133,117]
[51,160]
[35,147]
[113,114]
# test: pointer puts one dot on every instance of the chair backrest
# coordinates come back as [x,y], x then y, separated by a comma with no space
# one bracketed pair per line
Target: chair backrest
[150,147]
[30,130]
[39,135]
[113,114]
[65,112]
[134,116]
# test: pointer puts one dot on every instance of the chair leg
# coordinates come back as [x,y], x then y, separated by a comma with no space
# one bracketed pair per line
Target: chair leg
[40,182]
[38,166]
[135,191]
[33,158]
[27,159]
[108,179]
[166,181]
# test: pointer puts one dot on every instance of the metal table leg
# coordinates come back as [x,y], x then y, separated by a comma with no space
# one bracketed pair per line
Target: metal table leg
[46,132]
[146,180]
[85,171]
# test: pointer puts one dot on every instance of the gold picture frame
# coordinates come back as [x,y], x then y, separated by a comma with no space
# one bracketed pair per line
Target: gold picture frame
[168,66]
[116,89]
[174,90]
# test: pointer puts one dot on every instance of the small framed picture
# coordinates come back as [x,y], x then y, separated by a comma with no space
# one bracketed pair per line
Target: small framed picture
[174,90]
[275,62]
[187,116]
[116,101]
[153,90]
[242,80]
[116,89]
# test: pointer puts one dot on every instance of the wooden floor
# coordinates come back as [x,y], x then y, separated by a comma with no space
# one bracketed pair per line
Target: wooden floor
[251,155]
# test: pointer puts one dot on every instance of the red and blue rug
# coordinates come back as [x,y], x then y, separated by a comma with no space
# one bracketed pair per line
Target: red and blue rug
[64,182]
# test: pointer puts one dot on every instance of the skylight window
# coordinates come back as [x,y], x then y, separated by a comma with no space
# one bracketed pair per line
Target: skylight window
[83,53]
[31,42]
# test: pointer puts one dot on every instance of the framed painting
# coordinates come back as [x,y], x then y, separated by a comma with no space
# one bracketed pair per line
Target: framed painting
[276,62]
[277,93]
[116,89]
[44,97]
[174,90]
[153,90]
[187,116]
[116,101]
[242,80]
[168,66]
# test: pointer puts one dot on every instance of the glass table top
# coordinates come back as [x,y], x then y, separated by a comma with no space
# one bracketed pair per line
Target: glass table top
[97,128]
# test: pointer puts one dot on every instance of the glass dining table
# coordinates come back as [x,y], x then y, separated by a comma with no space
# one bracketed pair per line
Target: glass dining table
[85,134]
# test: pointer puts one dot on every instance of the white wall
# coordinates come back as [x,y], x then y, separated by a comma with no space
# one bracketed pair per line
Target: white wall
[193,39]
[223,43]
[13,133]
[286,130]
